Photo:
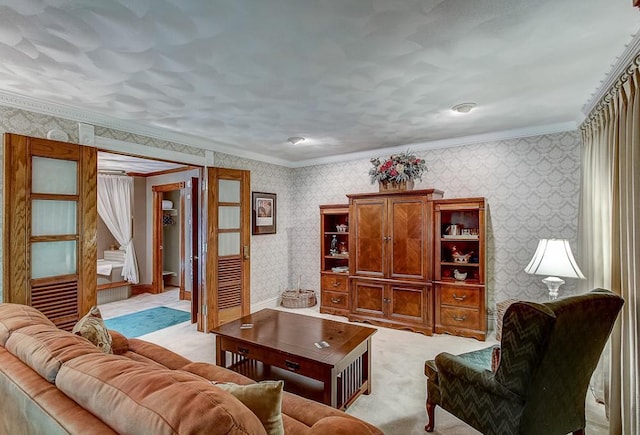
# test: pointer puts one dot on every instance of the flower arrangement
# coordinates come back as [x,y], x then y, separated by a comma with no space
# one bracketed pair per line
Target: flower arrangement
[397,168]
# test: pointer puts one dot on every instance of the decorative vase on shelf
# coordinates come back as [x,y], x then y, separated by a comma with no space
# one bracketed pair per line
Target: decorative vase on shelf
[385,186]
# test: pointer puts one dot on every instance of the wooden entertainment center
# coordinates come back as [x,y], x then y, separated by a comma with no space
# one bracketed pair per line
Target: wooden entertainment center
[406,259]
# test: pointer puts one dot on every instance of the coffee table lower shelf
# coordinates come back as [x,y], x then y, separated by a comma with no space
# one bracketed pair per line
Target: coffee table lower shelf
[293,382]
[350,382]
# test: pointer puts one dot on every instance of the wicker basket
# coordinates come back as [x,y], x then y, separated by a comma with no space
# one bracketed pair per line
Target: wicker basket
[298,298]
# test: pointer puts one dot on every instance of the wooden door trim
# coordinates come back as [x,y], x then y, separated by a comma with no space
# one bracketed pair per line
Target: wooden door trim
[182,240]
[15,214]
[88,230]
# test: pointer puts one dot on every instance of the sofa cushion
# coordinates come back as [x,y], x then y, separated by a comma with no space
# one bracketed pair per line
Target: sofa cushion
[133,398]
[16,316]
[31,405]
[92,327]
[45,348]
[264,399]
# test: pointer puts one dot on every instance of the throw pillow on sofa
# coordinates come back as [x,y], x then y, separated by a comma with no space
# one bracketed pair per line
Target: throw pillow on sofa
[264,399]
[92,327]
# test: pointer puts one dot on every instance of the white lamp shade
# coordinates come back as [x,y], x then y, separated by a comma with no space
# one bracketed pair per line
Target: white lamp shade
[553,257]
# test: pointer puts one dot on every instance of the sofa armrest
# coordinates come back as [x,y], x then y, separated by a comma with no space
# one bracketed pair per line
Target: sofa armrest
[340,426]
[453,367]
[119,343]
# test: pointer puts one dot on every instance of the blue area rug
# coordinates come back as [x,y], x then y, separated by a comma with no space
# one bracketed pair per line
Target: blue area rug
[144,322]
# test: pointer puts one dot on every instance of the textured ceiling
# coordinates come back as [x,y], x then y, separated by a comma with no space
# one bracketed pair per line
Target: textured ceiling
[349,75]
[115,163]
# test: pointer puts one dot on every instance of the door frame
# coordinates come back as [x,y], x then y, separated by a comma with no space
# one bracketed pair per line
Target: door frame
[157,231]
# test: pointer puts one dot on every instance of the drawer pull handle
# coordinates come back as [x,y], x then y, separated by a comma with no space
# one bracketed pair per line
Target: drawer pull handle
[336,300]
[459,298]
[293,366]
[459,318]
[336,284]
[243,351]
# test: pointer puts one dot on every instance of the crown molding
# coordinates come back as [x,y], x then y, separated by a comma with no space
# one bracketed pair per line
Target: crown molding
[445,143]
[88,117]
[621,64]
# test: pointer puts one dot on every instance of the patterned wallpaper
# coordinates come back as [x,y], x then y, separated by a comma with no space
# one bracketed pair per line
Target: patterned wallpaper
[531,185]
[271,254]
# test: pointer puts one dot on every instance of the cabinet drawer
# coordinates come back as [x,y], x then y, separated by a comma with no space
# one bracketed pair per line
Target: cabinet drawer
[460,296]
[335,299]
[335,283]
[460,317]
[294,364]
[242,349]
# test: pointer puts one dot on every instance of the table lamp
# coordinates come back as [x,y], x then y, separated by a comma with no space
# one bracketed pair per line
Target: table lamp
[553,257]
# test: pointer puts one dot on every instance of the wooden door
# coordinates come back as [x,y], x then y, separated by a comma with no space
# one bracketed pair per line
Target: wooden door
[229,237]
[50,227]
[408,230]
[195,248]
[368,223]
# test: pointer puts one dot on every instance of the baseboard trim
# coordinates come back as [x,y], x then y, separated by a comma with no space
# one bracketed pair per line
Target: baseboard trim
[267,303]
[141,288]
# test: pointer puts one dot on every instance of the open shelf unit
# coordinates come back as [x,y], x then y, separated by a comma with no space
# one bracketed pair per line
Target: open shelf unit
[334,259]
[459,275]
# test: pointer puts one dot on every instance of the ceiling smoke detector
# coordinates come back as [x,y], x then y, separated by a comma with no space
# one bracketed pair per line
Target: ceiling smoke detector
[463,107]
[296,139]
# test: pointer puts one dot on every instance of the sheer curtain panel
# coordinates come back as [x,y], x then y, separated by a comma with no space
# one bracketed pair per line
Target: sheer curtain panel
[114,207]
[609,236]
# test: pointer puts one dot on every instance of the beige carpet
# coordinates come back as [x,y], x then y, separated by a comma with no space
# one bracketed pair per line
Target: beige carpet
[396,404]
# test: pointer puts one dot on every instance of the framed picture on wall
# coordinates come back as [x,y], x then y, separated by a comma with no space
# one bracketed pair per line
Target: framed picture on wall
[264,213]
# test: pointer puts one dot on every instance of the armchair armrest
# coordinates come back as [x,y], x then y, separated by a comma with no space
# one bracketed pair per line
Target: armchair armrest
[453,367]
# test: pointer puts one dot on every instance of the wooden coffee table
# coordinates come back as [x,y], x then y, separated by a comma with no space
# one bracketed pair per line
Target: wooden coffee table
[282,345]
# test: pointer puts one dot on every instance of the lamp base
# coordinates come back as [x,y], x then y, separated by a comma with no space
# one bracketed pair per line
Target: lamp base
[553,284]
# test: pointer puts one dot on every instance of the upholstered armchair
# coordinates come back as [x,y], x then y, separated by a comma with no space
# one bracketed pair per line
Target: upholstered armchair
[548,353]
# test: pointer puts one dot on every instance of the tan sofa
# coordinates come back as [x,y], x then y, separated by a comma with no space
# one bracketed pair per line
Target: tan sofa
[55,382]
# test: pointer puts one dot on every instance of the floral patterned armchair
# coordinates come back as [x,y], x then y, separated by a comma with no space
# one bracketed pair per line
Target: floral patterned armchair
[548,354]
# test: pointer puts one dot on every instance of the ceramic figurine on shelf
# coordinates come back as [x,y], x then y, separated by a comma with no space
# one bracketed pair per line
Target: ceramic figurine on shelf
[333,249]
[459,275]
[459,257]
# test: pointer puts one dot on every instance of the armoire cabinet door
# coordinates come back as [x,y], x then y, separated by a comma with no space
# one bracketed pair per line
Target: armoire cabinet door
[368,217]
[368,298]
[408,303]
[407,230]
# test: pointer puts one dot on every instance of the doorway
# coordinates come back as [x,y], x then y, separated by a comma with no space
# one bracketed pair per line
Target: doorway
[169,238]
[171,228]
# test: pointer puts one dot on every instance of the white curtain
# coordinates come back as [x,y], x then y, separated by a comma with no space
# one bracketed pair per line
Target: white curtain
[114,207]
[609,239]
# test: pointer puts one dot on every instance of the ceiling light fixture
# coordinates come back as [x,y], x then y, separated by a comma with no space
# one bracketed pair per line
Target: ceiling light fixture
[463,107]
[296,139]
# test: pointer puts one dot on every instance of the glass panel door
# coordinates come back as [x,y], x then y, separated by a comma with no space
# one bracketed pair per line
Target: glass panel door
[229,217]
[228,267]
